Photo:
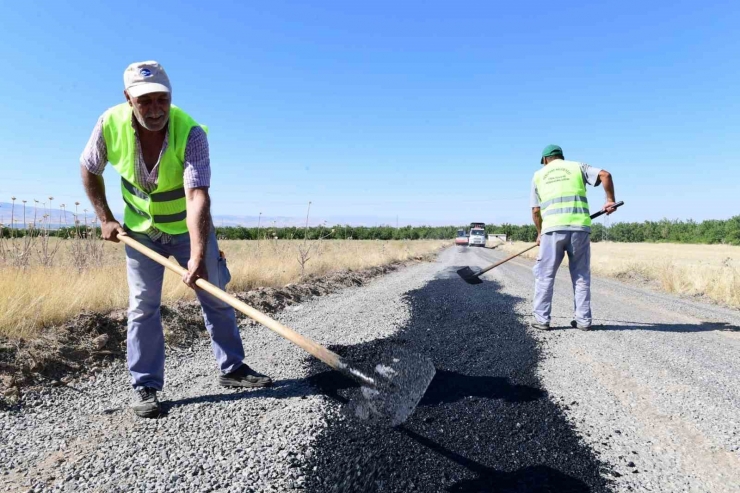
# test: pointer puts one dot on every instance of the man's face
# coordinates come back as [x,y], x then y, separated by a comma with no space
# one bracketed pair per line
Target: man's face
[152,111]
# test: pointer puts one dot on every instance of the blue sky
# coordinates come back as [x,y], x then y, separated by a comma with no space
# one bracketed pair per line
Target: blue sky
[432,111]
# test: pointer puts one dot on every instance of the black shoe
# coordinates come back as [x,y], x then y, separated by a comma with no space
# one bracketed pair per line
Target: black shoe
[145,403]
[576,325]
[244,376]
[539,326]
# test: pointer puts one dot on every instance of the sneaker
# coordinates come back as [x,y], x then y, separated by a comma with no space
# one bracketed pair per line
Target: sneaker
[244,376]
[539,326]
[578,326]
[145,403]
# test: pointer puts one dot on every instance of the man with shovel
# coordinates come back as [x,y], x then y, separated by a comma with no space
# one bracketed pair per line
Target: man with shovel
[162,155]
[561,215]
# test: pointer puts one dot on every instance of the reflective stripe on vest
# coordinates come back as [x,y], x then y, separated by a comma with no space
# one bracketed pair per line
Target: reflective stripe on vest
[562,192]
[154,197]
[165,207]
[565,210]
[158,218]
[558,200]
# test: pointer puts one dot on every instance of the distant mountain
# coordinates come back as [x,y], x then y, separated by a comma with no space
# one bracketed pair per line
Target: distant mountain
[283,221]
[264,221]
[59,218]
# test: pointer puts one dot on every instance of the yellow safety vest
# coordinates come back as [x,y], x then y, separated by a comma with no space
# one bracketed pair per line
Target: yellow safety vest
[562,193]
[164,207]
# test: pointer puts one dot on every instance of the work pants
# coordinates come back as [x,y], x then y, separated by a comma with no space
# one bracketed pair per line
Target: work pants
[553,247]
[145,340]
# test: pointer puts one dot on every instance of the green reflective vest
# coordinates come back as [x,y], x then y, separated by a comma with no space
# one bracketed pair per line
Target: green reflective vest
[164,207]
[562,193]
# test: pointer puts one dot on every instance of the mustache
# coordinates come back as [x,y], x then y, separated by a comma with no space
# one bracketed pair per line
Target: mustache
[157,115]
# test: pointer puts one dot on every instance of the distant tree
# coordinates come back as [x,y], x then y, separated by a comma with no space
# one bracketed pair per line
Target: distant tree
[665,230]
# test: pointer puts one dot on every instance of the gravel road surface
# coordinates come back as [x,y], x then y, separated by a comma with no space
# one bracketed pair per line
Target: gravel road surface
[649,402]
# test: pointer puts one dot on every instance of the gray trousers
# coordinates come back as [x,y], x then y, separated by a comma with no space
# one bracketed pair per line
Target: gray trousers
[553,247]
[145,342]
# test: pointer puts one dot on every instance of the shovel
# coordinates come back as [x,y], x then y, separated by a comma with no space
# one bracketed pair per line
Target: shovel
[389,394]
[471,277]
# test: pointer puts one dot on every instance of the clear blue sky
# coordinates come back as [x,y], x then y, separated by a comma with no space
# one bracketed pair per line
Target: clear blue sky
[430,110]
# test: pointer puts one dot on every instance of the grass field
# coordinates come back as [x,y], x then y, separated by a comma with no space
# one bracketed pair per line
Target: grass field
[39,295]
[696,270]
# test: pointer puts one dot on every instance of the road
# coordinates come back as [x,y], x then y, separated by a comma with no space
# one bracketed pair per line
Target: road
[659,369]
[647,402]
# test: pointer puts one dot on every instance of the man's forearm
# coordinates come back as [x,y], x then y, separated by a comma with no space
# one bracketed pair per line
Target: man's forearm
[199,221]
[608,184]
[95,190]
[537,218]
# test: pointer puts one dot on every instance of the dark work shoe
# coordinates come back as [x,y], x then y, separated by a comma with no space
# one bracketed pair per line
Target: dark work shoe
[145,403]
[576,325]
[539,326]
[244,376]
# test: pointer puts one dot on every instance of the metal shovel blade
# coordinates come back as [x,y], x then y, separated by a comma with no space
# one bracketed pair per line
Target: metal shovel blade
[469,276]
[401,381]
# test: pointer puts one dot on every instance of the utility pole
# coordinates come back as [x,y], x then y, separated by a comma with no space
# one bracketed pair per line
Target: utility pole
[396,221]
[605,229]
[605,222]
[259,220]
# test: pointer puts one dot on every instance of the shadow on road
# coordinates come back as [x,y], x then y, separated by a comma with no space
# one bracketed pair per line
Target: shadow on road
[449,386]
[485,424]
[702,327]
[531,479]
[561,323]
[282,389]
[446,387]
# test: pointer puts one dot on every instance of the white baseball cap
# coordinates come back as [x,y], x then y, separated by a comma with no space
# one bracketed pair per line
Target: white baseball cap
[145,77]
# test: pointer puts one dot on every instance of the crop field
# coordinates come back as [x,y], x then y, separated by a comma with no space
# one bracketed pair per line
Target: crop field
[711,271]
[60,278]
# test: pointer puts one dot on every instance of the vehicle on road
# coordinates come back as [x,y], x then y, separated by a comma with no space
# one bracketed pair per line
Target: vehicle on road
[461,238]
[477,237]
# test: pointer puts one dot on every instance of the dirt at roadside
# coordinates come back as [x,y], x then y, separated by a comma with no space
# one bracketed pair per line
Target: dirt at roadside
[91,340]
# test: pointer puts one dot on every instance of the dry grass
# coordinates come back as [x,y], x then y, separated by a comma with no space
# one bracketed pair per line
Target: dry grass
[38,296]
[696,270]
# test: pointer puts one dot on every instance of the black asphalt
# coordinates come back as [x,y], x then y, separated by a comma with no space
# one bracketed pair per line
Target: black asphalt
[485,423]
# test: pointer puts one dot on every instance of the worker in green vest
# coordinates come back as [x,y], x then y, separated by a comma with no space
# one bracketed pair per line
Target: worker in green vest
[161,154]
[561,215]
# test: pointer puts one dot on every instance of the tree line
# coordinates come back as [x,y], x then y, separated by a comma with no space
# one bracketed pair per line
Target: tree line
[669,231]
[339,232]
[672,231]
[710,232]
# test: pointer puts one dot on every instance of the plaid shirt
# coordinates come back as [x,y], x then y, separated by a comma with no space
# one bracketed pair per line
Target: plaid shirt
[197,165]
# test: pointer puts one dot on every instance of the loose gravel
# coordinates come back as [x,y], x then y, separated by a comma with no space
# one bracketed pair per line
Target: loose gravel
[647,403]
[653,389]
[485,424]
[83,437]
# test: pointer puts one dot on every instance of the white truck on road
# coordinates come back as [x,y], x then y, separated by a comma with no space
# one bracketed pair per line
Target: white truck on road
[477,237]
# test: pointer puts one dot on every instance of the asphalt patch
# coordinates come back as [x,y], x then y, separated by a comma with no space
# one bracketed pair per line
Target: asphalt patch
[484,425]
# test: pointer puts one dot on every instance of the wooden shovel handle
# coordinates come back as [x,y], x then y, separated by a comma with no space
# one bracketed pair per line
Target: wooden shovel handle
[504,260]
[329,357]
[593,216]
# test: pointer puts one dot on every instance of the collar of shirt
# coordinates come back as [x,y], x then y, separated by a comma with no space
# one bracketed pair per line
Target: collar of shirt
[146,179]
